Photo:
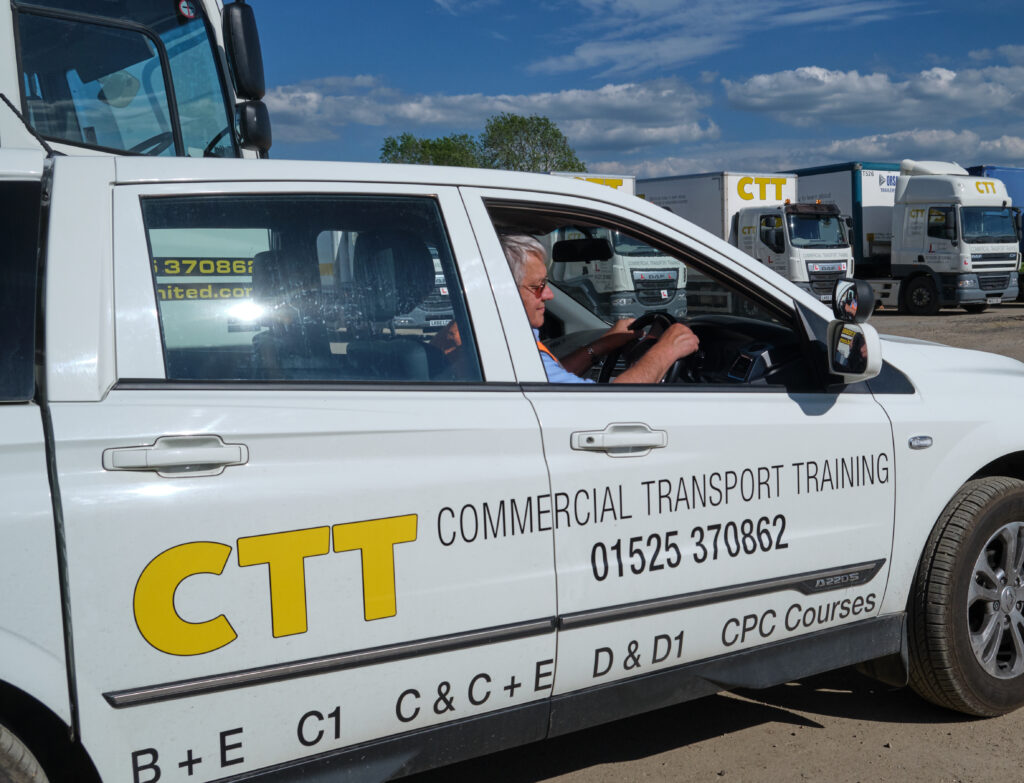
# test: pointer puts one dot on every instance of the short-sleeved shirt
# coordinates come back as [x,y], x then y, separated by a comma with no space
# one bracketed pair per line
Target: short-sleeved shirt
[556,372]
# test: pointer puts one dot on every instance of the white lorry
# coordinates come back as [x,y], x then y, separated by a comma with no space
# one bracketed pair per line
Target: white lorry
[806,243]
[628,280]
[150,77]
[927,235]
[329,549]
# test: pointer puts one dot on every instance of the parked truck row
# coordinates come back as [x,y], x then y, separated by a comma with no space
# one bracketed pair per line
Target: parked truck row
[926,234]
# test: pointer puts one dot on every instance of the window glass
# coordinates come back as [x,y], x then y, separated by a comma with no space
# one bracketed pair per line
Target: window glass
[102,85]
[988,224]
[308,288]
[939,219]
[19,206]
[771,232]
[743,339]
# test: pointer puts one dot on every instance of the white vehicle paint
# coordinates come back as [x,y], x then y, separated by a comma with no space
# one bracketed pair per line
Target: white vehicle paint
[333,544]
[758,213]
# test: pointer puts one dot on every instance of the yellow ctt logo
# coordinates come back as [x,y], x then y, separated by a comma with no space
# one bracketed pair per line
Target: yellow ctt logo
[762,183]
[284,555]
[985,186]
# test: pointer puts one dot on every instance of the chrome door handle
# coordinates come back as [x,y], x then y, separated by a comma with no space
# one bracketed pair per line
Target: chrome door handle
[179,455]
[620,440]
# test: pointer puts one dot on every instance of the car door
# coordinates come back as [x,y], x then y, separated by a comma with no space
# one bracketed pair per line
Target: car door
[290,527]
[694,520]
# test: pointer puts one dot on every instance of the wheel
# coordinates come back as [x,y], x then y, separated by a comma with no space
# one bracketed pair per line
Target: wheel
[920,296]
[976,307]
[966,626]
[17,764]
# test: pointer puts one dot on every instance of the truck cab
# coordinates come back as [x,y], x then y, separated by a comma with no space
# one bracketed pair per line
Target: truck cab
[146,78]
[954,236]
[805,243]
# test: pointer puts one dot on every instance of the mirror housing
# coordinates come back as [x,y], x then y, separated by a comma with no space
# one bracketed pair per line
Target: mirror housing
[853,301]
[854,351]
[252,126]
[569,250]
[242,43]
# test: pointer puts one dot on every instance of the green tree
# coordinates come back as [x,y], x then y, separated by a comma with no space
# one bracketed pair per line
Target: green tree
[517,143]
[509,141]
[458,149]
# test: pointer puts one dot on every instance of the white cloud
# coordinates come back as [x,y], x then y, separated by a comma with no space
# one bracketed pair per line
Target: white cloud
[625,116]
[812,95]
[635,36]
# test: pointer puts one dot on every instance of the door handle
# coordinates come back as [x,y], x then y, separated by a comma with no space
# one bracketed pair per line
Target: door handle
[179,455]
[620,440]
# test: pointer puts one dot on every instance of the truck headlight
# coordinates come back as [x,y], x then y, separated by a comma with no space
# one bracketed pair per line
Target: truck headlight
[622,301]
[968,282]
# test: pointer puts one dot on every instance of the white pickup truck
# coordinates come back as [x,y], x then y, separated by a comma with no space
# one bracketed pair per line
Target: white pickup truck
[252,530]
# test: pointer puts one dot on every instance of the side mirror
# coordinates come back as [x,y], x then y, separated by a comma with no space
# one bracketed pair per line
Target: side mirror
[853,301]
[252,125]
[854,351]
[1017,222]
[242,42]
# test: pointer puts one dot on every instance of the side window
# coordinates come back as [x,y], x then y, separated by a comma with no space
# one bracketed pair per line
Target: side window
[308,288]
[744,340]
[940,219]
[771,232]
[19,205]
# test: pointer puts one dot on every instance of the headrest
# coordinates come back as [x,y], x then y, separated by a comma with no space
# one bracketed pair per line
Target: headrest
[279,277]
[397,269]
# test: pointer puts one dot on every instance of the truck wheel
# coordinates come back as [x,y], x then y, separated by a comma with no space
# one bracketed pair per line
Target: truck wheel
[920,296]
[17,764]
[966,630]
[976,307]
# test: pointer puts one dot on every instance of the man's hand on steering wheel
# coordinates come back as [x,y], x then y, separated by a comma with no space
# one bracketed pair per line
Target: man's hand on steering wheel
[650,360]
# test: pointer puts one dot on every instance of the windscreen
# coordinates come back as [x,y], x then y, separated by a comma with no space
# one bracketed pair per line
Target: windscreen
[123,75]
[987,225]
[816,231]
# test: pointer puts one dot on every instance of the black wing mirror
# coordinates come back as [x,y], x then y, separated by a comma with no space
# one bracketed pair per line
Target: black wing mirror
[853,301]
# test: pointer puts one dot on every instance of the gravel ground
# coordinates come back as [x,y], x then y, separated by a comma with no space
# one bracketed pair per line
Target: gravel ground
[838,727]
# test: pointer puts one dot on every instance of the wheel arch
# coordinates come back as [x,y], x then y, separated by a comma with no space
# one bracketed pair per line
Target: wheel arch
[1010,465]
[47,735]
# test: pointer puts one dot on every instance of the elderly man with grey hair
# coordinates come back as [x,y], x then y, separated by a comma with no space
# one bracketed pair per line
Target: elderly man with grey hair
[528,261]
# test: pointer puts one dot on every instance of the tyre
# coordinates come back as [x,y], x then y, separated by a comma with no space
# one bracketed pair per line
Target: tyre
[17,764]
[976,307]
[966,630]
[920,297]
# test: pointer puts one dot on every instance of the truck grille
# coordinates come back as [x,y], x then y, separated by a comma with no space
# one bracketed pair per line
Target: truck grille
[823,282]
[436,303]
[993,282]
[655,287]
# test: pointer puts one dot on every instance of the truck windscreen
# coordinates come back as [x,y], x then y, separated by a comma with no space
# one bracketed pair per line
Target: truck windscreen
[987,225]
[135,76]
[816,231]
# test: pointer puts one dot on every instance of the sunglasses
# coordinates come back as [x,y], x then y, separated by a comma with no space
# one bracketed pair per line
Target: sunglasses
[538,289]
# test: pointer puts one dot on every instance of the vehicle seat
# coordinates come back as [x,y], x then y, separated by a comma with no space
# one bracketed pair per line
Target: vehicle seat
[393,272]
[296,344]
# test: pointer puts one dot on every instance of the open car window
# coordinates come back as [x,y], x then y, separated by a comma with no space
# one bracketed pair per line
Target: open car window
[604,269]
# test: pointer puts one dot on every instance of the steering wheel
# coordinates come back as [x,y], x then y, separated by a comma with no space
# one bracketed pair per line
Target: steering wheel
[686,369]
[154,145]
[208,149]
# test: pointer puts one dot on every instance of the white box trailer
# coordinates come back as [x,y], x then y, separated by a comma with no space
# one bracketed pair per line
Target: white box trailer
[758,213]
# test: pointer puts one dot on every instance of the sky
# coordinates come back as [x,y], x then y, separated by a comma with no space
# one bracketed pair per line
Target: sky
[655,87]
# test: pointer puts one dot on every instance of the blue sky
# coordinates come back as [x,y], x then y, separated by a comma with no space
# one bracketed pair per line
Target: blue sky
[655,87]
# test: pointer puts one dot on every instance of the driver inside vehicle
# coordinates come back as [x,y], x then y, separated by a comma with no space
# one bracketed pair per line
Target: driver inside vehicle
[527,259]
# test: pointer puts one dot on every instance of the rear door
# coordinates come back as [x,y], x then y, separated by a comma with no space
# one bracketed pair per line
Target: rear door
[293,527]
